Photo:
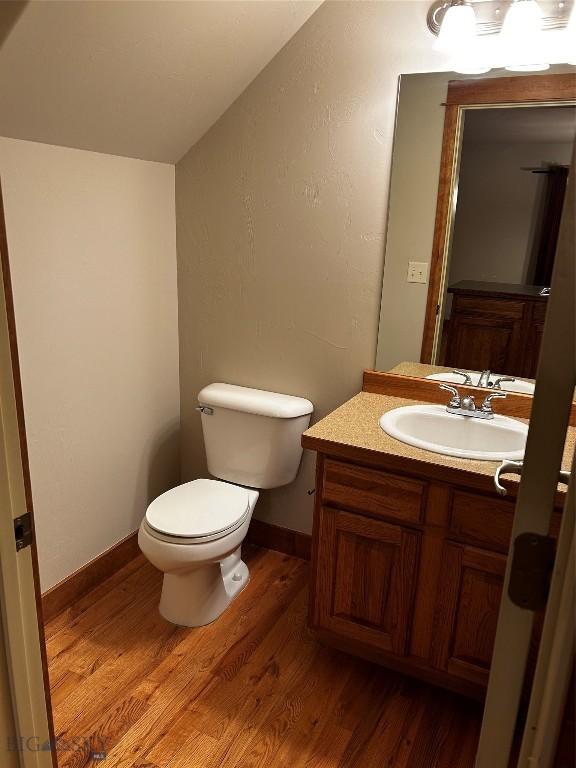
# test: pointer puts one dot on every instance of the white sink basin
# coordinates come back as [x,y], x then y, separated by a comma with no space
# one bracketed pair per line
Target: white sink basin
[430,427]
[524,387]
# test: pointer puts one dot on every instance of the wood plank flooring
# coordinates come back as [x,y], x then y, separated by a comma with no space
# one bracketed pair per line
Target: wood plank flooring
[253,689]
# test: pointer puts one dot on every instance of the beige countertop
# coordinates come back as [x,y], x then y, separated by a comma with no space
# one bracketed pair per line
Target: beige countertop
[355,424]
[420,370]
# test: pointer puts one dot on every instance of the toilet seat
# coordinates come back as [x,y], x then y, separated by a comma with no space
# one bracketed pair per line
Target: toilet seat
[191,540]
[202,510]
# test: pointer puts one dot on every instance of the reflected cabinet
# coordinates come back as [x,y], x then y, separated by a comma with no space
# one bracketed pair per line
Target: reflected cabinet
[495,327]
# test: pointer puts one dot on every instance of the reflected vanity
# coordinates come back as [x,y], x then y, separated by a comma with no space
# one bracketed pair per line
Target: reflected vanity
[478,181]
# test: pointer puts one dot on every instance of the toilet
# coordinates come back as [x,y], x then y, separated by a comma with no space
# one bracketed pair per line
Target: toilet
[194,532]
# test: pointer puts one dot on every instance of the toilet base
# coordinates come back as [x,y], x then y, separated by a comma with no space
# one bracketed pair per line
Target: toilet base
[197,597]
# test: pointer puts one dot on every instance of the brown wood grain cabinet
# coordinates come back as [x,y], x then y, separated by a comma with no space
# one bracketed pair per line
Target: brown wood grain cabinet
[368,578]
[495,326]
[408,571]
[469,593]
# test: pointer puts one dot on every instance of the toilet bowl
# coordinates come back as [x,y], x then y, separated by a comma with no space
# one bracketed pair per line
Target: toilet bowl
[193,533]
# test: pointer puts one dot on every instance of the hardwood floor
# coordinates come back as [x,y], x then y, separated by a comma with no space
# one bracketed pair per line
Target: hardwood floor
[253,689]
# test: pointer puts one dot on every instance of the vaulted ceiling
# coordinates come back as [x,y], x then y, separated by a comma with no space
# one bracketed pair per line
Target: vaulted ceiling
[140,78]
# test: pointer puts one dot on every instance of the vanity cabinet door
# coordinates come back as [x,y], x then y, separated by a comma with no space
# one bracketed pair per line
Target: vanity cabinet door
[484,343]
[485,333]
[365,579]
[467,611]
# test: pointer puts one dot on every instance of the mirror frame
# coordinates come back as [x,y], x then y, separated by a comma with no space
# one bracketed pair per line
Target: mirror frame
[554,89]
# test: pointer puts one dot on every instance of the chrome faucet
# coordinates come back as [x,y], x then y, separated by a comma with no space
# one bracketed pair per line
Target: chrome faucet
[466,406]
[484,380]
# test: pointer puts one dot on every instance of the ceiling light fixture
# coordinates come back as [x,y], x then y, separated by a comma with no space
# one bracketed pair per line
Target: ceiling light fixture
[518,28]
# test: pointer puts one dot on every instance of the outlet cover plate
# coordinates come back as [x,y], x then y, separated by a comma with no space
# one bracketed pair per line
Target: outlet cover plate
[417,272]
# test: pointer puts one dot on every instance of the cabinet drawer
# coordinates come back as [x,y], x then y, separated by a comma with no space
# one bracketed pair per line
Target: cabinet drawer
[369,490]
[481,520]
[487,307]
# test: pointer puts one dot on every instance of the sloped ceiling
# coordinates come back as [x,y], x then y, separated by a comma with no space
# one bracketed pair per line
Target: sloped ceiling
[140,78]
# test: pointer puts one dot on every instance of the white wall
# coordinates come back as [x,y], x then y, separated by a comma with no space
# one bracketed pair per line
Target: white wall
[281,222]
[498,205]
[92,250]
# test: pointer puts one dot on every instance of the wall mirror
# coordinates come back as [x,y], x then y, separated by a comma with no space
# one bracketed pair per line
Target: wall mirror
[477,189]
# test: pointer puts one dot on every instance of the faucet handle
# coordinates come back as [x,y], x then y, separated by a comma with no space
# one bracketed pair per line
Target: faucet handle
[467,379]
[455,399]
[487,404]
[499,381]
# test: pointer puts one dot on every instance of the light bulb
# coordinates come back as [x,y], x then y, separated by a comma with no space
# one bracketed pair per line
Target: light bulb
[458,37]
[458,28]
[521,37]
[570,38]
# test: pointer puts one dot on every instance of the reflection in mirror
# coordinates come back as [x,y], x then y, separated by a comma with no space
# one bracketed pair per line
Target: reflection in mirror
[513,169]
[478,179]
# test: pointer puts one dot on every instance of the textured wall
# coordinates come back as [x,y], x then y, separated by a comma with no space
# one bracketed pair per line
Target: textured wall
[281,220]
[93,260]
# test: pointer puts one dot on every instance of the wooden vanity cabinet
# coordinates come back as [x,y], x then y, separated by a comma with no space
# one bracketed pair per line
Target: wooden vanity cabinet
[367,579]
[469,594]
[495,327]
[408,571]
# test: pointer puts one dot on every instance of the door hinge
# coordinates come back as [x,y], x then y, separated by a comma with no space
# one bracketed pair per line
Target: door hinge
[437,309]
[23,531]
[531,571]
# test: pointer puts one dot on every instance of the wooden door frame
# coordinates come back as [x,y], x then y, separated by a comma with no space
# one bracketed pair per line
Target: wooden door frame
[465,94]
[552,403]
[19,576]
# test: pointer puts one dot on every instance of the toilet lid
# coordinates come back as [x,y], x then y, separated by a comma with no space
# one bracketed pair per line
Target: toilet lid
[199,508]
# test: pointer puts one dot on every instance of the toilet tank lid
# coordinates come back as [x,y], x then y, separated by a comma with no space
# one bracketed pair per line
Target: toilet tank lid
[257,401]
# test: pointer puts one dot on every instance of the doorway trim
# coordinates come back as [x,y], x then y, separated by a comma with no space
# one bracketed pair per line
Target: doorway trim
[21,614]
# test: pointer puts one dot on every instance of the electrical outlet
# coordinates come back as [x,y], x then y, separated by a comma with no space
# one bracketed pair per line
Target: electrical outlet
[417,272]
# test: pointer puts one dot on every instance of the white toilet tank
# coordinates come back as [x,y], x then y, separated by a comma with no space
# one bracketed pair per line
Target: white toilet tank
[252,437]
